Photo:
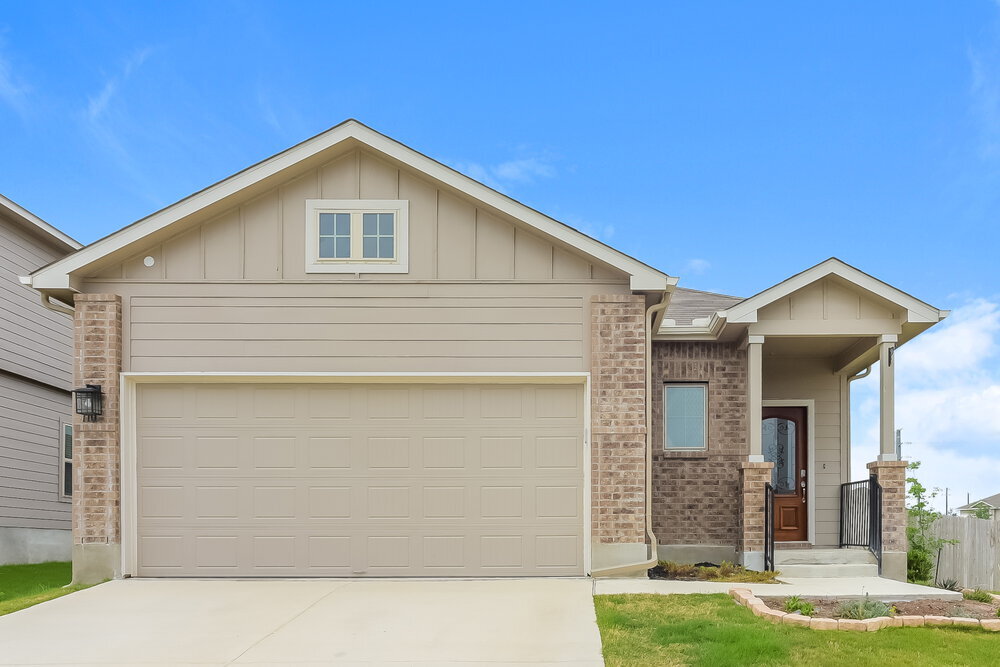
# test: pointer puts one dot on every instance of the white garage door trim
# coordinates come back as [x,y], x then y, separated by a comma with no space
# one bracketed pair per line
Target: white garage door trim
[128,462]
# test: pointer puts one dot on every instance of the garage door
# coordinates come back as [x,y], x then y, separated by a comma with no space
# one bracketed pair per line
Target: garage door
[359,480]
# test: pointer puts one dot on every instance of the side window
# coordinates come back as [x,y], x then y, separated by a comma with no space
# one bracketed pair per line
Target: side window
[66,461]
[685,410]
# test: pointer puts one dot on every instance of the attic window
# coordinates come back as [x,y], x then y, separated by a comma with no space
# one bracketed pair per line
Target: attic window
[356,236]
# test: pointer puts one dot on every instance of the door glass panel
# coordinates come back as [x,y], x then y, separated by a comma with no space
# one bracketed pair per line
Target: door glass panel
[778,441]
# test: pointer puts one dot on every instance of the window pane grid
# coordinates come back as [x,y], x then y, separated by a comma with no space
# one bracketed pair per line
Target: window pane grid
[378,236]
[335,235]
[685,416]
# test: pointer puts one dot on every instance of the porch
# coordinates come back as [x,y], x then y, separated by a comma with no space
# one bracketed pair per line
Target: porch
[803,343]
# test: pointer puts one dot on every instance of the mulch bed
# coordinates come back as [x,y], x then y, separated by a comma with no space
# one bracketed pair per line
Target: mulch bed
[827,607]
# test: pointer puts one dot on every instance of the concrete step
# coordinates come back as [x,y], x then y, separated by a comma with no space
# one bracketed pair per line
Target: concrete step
[833,570]
[823,557]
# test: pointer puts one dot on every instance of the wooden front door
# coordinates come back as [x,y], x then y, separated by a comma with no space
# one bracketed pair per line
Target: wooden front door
[783,438]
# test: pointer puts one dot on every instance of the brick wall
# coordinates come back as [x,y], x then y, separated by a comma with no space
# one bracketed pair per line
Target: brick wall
[97,332]
[618,418]
[695,494]
[892,477]
[750,526]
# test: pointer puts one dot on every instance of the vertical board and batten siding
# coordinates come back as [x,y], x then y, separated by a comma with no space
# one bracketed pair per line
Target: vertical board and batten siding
[31,418]
[35,342]
[482,294]
[806,378]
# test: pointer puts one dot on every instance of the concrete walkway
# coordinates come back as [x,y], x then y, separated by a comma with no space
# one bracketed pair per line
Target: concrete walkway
[877,587]
[346,622]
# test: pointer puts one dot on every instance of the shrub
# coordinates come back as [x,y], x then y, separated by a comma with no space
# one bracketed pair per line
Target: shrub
[796,604]
[859,610]
[977,595]
[950,585]
[724,572]
[923,544]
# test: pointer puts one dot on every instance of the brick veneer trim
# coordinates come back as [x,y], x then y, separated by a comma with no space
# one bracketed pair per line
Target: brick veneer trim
[892,478]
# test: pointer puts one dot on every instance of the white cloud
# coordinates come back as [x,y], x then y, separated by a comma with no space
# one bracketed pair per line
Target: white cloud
[697,266]
[519,171]
[947,404]
[97,105]
[13,91]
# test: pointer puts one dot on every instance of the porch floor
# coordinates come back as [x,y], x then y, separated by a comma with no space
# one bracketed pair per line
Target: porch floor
[820,587]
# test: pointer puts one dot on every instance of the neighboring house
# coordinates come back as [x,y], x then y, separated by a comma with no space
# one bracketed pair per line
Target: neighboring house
[36,371]
[991,505]
[352,360]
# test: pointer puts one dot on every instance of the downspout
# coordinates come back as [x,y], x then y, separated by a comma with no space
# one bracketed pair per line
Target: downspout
[48,303]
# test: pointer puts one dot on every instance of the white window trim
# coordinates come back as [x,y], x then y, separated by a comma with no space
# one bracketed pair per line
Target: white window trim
[62,460]
[704,446]
[316,264]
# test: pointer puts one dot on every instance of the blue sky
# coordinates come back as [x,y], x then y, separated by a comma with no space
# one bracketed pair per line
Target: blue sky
[732,144]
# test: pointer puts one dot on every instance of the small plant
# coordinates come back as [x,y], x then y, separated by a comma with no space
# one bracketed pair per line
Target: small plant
[924,545]
[724,572]
[796,604]
[998,613]
[977,595]
[957,612]
[950,585]
[859,610]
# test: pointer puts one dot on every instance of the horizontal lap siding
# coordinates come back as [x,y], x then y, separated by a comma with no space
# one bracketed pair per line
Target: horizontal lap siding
[420,329]
[31,417]
[34,341]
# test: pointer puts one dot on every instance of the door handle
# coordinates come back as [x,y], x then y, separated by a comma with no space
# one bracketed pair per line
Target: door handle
[803,485]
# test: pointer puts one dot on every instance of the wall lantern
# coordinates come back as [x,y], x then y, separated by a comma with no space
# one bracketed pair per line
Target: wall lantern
[89,402]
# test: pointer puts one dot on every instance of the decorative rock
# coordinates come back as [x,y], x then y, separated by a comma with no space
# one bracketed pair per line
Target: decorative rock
[937,620]
[893,622]
[823,624]
[797,619]
[851,624]
[990,624]
[967,622]
[759,609]
[911,621]
[875,624]
[773,615]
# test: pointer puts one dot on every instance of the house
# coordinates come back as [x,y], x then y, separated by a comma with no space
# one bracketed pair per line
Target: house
[352,360]
[36,369]
[990,505]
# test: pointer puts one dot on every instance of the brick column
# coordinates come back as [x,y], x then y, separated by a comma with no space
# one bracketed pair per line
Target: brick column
[892,476]
[97,335]
[618,428]
[750,547]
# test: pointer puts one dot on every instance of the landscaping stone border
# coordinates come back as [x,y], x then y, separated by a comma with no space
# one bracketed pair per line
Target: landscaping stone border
[746,598]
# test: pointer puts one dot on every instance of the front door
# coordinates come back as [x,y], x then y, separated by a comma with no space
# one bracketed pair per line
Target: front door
[783,437]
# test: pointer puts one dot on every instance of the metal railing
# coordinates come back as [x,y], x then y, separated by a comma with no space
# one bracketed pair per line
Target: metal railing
[768,527]
[861,516]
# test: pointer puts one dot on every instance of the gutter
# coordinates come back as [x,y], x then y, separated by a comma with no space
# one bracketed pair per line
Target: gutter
[47,301]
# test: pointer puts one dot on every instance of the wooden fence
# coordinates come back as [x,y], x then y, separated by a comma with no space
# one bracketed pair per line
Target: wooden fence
[975,561]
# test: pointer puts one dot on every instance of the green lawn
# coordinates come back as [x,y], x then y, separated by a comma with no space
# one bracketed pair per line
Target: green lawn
[26,585]
[712,630]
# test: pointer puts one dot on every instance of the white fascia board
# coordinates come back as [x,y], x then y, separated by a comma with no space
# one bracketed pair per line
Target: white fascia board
[29,218]
[56,275]
[746,311]
[709,330]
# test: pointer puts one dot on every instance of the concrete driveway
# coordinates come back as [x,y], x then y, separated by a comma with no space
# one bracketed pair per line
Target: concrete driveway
[343,622]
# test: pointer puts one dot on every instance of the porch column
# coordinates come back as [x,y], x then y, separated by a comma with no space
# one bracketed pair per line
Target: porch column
[892,477]
[887,390]
[755,394]
[750,545]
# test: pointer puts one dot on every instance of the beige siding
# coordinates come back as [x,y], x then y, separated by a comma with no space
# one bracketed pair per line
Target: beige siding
[451,236]
[376,327]
[34,342]
[805,378]
[829,299]
[31,418]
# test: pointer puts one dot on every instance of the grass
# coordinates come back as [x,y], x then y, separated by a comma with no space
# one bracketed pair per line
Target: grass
[978,595]
[22,586]
[709,630]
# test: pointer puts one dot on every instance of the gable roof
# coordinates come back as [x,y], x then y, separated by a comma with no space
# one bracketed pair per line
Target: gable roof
[992,501]
[745,311]
[58,275]
[37,225]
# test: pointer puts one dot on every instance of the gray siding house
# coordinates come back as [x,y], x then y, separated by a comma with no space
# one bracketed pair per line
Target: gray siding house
[36,373]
